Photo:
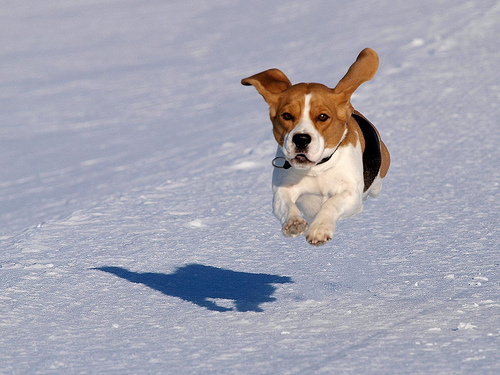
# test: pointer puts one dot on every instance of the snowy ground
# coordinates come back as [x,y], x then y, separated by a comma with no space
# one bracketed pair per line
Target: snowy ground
[135,220]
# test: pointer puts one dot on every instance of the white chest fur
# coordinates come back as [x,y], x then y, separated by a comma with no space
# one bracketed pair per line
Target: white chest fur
[322,195]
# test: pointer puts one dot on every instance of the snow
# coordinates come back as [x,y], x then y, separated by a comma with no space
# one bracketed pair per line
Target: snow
[135,200]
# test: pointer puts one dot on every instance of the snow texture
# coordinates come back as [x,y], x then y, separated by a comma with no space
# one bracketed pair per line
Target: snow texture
[135,200]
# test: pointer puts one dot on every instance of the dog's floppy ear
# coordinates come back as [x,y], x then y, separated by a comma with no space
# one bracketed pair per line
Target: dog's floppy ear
[270,84]
[362,70]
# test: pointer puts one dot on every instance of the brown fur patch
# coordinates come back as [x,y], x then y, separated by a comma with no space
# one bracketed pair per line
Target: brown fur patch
[323,101]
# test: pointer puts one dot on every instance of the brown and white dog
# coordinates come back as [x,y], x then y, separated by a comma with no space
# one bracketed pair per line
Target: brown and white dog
[330,156]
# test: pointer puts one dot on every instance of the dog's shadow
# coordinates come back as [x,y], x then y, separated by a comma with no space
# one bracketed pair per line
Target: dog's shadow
[200,284]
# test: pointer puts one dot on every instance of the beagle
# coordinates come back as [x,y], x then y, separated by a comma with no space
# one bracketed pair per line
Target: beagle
[330,157]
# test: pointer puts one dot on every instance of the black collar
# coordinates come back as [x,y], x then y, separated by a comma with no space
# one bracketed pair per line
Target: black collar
[287,164]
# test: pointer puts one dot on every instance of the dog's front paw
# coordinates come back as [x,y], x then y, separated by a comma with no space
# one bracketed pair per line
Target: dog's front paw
[319,234]
[295,226]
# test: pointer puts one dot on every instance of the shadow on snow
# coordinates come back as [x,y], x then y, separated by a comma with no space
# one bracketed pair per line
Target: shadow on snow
[198,284]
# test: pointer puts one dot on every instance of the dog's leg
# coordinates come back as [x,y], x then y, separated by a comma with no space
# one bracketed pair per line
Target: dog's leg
[339,206]
[374,190]
[288,213]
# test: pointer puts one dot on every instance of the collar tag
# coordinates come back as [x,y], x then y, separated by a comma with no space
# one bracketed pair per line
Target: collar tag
[285,165]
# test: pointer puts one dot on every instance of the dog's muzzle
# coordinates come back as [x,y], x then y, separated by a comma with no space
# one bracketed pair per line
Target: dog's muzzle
[301,141]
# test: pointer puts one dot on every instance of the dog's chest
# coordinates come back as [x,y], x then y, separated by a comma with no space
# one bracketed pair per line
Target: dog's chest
[343,172]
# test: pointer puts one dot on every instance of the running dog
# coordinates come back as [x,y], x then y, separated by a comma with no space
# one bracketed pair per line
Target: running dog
[330,157]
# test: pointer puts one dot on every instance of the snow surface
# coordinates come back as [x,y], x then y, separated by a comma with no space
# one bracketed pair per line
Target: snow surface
[135,202]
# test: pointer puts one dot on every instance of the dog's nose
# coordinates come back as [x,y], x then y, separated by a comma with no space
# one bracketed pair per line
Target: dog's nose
[301,140]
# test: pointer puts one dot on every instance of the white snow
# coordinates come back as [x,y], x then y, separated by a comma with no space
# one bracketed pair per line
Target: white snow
[135,201]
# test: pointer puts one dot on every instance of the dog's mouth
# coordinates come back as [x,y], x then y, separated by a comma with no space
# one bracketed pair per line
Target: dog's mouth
[302,160]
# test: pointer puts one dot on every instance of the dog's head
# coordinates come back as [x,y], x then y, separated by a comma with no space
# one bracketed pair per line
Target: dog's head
[309,119]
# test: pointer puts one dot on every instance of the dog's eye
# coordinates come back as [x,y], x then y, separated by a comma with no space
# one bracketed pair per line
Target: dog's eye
[287,116]
[323,117]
